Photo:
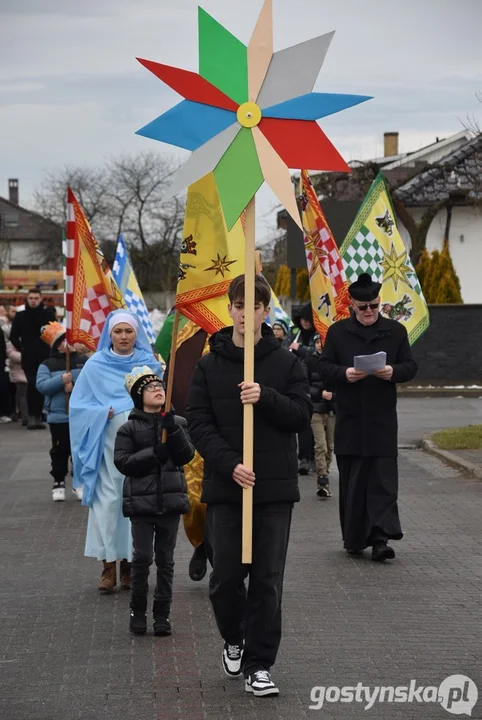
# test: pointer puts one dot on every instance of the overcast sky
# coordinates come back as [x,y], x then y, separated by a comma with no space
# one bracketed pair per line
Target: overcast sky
[71,91]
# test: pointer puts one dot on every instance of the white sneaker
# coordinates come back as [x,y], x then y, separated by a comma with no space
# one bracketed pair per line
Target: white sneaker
[232,658]
[77,492]
[58,494]
[5,419]
[259,683]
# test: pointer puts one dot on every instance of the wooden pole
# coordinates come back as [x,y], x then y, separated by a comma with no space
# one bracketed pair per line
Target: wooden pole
[172,362]
[67,369]
[248,424]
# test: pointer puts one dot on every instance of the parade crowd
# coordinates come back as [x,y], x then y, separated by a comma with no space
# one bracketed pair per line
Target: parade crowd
[125,449]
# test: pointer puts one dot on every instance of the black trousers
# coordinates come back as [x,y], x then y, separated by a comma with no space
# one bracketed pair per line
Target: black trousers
[306,444]
[253,616]
[35,400]
[368,500]
[158,533]
[5,396]
[60,451]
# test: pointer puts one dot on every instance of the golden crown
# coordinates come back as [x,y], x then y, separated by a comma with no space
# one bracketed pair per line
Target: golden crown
[136,374]
[52,332]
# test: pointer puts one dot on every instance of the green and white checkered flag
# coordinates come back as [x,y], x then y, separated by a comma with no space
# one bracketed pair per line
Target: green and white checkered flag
[374,245]
[364,255]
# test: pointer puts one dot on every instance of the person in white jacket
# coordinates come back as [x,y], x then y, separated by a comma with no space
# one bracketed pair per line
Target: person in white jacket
[14,366]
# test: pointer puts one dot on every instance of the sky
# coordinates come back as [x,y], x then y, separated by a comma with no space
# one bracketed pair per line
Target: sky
[72,93]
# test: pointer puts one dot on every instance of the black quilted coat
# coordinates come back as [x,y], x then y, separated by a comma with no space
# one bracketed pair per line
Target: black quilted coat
[154,483]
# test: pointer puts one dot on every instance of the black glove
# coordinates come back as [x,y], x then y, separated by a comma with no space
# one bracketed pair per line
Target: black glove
[168,422]
[162,452]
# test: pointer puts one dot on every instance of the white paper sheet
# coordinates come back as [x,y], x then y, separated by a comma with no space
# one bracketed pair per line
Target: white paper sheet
[370,363]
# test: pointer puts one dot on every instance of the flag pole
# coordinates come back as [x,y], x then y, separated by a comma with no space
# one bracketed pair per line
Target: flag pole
[248,414]
[172,362]
[67,369]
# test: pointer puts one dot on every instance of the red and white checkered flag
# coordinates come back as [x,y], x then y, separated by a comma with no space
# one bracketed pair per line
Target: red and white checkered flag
[90,290]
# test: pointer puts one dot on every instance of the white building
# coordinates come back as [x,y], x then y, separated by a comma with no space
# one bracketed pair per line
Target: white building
[455,181]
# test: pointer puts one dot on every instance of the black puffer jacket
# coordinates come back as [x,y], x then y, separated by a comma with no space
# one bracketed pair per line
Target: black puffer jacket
[215,417]
[317,385]
[155,483]
[305,338]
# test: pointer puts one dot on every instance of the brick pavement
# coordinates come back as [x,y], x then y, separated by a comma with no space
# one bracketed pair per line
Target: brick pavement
[66,653]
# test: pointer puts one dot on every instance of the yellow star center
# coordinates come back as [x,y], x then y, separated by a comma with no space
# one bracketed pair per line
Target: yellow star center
[249,114]
[396,268]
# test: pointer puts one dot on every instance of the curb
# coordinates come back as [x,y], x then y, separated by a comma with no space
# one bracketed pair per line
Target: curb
[421,392]
[429,446]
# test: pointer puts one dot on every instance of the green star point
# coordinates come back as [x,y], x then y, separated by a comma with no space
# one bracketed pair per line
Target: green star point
[223,59]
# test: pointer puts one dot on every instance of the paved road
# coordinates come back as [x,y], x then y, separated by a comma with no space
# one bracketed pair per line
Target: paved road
[66,653]
[418,416]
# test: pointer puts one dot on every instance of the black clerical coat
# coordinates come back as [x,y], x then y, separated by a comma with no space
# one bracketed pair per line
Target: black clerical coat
[366,421]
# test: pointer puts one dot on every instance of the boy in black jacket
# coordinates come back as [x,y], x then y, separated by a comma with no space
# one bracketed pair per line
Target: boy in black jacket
[323,420]
[249,623]
[155,493]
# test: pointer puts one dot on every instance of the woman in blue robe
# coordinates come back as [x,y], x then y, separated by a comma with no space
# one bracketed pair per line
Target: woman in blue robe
[99,405]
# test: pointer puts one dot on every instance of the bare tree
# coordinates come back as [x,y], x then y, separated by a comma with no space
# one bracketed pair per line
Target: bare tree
[471,123]
[90,186]
[125,196]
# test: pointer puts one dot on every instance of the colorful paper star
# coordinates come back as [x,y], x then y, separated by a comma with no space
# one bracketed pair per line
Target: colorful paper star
[249,114]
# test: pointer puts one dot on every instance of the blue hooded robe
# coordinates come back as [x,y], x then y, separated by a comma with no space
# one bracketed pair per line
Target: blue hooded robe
[99,387]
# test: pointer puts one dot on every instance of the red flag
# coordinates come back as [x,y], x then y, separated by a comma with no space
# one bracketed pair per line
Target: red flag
[90,290]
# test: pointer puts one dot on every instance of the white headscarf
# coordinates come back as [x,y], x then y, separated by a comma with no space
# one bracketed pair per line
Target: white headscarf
[120,317]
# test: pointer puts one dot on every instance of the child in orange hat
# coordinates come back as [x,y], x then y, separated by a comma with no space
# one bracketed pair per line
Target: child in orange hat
[56,383]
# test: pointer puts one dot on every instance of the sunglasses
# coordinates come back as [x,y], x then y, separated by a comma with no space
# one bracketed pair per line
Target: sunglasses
[154,387]
[365,306]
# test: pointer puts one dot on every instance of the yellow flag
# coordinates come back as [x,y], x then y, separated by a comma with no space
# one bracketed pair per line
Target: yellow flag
[210,258]
[328,286]
[374,246]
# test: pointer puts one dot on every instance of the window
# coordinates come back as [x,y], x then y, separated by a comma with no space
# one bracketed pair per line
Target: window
[10,219]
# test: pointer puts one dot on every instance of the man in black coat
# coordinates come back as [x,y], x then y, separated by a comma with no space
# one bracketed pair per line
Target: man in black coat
[366,419]
[25,336]
[250,624]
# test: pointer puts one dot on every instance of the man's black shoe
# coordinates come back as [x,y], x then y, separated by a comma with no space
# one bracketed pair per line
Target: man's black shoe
[304,467]
[232,659]
[354,551]
[381,552]
[323,487]
[198,564]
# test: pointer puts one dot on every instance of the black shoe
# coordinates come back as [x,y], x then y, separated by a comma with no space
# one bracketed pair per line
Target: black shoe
[138,618]
[32,423]
[260,684]
[304,467]
[381,552]
[354,551]
[39,425]
[232,659]
[161,622]
[198,564]
[323,487]
[162,626]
